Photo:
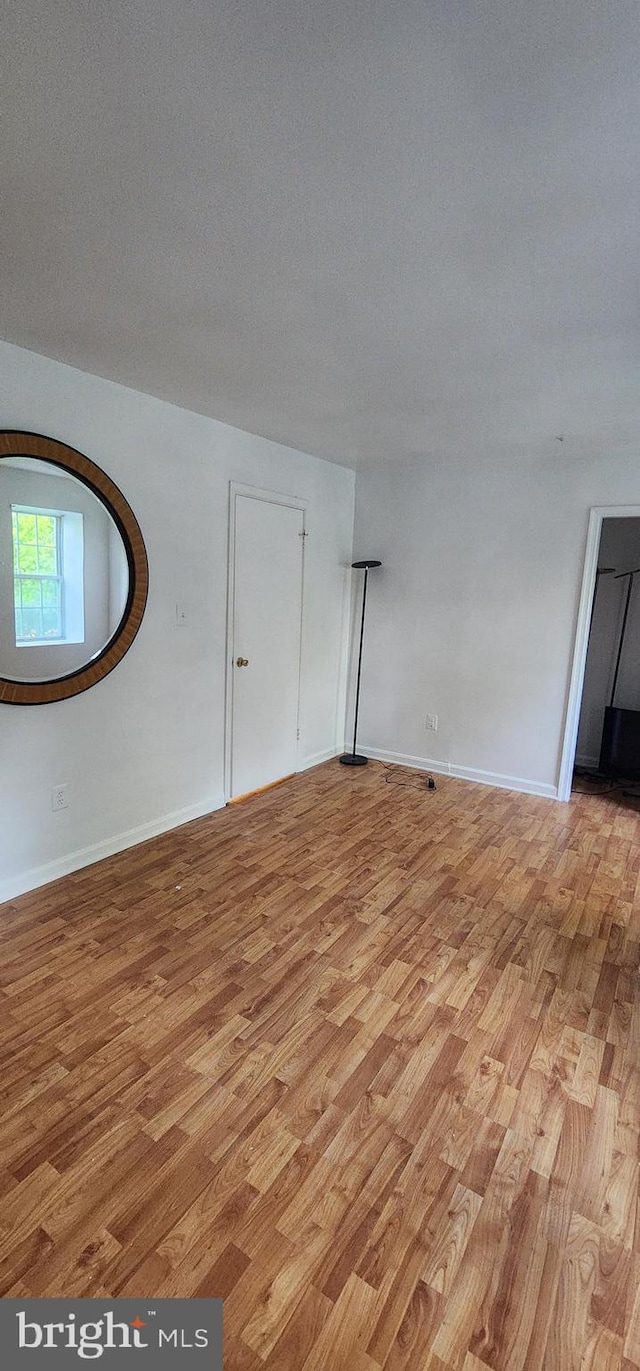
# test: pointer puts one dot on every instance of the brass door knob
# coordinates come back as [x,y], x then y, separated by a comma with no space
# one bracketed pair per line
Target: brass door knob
[242,661]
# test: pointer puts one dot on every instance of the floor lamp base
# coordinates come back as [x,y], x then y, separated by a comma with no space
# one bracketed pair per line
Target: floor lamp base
[353,759]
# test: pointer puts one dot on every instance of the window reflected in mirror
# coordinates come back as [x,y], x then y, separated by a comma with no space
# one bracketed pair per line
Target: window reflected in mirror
[69,570]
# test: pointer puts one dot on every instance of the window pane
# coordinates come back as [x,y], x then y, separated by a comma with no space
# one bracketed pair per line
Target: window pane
[27,559]
[31,623]
[50,623]
[31,593]
[26,527]
[47,560]
[46,529]
[50,593]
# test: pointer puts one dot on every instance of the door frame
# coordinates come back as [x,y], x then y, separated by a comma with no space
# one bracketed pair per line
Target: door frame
[273,497]
[597,515]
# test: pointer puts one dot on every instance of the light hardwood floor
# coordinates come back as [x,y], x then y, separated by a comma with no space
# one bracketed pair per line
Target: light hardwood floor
[361,1058]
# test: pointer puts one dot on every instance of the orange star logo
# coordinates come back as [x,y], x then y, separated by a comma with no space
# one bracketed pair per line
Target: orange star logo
[138,1322]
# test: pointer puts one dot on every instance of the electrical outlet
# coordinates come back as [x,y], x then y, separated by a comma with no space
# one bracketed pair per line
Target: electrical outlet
[432,722]
[182,617]
[59,798]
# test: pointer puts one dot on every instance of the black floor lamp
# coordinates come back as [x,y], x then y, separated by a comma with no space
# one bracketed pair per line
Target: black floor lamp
[354,758]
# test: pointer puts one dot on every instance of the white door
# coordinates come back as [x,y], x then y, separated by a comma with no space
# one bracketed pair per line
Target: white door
[268,549]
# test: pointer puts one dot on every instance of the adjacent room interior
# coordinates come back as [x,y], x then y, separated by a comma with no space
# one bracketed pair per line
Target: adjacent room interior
[608,742]
[354,1049]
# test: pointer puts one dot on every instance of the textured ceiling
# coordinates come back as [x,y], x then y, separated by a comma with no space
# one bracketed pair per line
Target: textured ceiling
[366,229]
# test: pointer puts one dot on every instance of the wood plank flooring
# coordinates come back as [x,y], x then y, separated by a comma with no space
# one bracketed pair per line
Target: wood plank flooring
[360,1058]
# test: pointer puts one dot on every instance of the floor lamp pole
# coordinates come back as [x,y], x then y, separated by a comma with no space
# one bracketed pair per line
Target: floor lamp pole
[600,571]
[623,630]
[364,606]
[353,758]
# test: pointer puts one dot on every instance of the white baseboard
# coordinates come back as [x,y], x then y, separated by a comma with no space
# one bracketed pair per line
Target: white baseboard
[463,773]
[74,861]
[319,757]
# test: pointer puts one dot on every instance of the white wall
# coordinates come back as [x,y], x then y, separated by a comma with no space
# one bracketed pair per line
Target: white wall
[619,548]
[144,749]
[473,614]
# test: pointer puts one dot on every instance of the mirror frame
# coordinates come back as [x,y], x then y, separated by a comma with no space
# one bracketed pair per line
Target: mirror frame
[17,443]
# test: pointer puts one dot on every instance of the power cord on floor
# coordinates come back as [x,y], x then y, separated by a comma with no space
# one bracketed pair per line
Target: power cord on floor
[599,784]
[403,775]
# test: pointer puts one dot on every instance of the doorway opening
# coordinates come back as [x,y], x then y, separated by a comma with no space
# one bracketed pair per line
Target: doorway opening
[602,736]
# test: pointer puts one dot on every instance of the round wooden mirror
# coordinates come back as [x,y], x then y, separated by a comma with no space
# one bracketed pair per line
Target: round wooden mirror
[73,571]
